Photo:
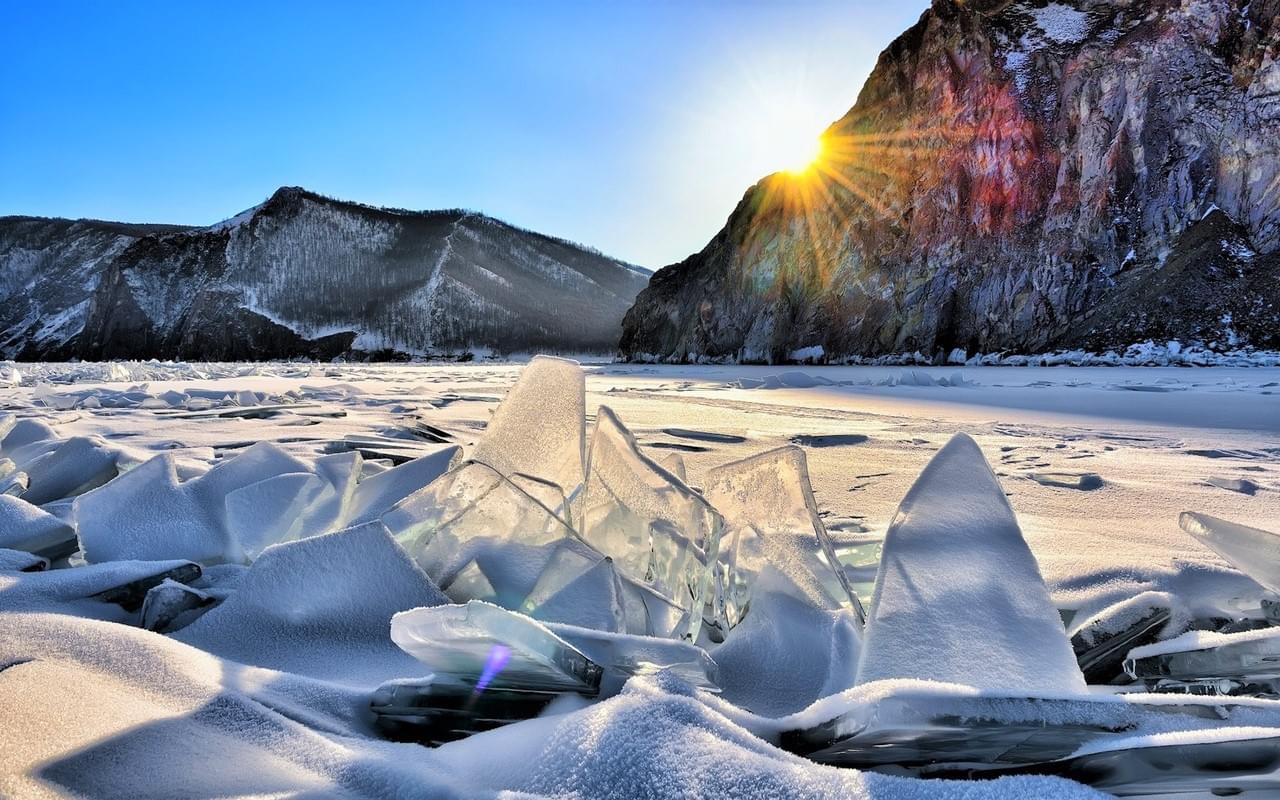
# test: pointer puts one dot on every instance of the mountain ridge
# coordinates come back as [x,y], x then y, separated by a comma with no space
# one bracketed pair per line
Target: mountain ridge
[303,274]
[1011,177]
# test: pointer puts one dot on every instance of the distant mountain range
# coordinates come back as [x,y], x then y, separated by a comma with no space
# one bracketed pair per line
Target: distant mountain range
[1015,177]
[304,275]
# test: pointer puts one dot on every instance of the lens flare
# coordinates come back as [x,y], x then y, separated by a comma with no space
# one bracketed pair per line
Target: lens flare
[499,656]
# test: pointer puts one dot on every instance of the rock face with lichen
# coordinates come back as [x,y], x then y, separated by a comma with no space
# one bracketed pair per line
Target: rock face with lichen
[1015,176]
[303,275]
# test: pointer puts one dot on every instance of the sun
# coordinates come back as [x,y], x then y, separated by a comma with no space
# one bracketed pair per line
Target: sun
[799,156]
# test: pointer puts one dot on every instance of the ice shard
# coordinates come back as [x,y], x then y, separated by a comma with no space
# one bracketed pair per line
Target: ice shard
[659,532]
[1253,551]
[491,666]
[959,597]
[1202,662]
[27,527]
[771,518]
[538,428]
[475,516]
[623,656]
[579,586]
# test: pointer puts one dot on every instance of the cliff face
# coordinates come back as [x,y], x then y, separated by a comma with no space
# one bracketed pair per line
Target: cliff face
[1015,176]
[303,275]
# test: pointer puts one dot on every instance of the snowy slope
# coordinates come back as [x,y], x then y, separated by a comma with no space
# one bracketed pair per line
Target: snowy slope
[304,275]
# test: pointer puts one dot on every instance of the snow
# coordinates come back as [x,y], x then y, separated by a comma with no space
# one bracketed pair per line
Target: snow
[959,597]
[321,607]
[280,680]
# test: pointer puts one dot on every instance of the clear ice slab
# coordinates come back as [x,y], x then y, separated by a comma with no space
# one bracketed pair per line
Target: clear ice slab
[484,645]
[1253,551]
[771,518]
[538,429]
[958,596]
[480,536]
[659,532]
[1201,662]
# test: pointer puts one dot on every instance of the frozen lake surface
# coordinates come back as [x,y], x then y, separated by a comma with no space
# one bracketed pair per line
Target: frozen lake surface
[1097,464]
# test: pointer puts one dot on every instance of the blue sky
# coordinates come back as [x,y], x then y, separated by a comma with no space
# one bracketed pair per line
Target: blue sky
[631,127]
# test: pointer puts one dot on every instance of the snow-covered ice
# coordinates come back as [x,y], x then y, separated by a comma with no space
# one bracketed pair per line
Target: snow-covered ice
[210,500]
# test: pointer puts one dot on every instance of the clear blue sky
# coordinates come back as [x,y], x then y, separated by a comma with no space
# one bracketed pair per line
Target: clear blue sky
[632,127]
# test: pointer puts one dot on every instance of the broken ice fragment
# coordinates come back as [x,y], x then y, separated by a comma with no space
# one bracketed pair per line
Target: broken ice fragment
[674,463]
[476,515]
[271,511]
[376,494]
[1253,551]
[538,428]
[26,527]
[942,732]
[147,514]
[1201,662]
[1102,641]
[131,595]
[659,532]
[772,518]
[460,641]
[14,484]
[959,597]
[169,600]
[622,656]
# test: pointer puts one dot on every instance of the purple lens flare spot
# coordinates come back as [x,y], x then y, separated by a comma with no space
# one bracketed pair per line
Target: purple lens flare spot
[498,657]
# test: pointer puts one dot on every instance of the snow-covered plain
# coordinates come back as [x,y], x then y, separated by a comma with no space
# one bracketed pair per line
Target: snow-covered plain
[267,695]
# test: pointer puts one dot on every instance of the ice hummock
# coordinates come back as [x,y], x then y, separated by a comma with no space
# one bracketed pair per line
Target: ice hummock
[259,497]
[959,597]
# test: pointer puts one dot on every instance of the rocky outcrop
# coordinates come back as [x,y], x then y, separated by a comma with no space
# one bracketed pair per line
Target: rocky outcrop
[1015,176]
[304,275]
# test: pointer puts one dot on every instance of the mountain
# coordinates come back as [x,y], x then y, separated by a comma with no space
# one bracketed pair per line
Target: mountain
[303,275]
[1014,177]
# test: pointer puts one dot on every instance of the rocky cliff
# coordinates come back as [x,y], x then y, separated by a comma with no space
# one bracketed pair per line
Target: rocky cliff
[303,275]
[1015,176]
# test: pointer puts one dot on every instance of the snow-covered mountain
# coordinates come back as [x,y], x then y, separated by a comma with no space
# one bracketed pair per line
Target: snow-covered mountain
[1015,176]
[303,275]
